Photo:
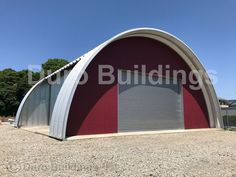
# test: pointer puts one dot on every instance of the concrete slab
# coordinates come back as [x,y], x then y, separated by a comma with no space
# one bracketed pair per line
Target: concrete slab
[43,130]
[79,137]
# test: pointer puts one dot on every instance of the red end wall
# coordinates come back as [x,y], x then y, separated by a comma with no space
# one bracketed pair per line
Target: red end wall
[94,107]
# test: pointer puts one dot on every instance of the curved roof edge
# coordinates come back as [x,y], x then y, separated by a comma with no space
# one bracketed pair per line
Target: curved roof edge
[64,99]
[21,106]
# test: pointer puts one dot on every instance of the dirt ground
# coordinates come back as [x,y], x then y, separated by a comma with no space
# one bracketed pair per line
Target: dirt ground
[206,154]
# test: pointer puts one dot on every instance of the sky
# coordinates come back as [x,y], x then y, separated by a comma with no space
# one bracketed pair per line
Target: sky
[31,31]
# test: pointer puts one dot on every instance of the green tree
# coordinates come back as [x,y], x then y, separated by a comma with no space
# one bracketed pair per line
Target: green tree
[8,92]
[14,85]
[22,84]
[53,64]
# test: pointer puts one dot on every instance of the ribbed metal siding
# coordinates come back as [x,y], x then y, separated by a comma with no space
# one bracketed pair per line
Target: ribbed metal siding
[54,91]
[39,105]
[149,107]
[35,110]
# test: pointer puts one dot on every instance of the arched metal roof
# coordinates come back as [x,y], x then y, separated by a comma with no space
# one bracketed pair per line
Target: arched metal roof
[62,106]
[63,102]
[19,111]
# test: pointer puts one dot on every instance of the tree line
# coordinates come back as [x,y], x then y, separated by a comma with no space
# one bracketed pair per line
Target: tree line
[14,85]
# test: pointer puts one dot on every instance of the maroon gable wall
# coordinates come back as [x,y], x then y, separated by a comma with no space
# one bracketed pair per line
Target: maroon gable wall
[94,107]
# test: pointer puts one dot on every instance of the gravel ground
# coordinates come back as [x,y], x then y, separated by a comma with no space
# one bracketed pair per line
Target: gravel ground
[189,154]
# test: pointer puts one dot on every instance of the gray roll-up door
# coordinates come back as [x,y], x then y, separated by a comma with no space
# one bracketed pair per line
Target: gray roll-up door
[144,106]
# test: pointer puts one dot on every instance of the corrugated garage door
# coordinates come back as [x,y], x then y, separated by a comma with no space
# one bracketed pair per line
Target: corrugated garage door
[147,106]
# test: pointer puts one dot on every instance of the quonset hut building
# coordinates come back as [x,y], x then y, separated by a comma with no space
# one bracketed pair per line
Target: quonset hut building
[70,108]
